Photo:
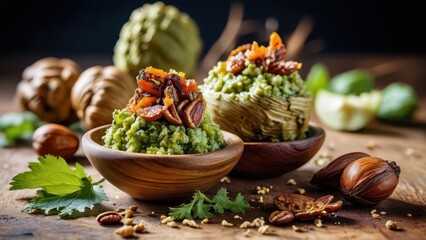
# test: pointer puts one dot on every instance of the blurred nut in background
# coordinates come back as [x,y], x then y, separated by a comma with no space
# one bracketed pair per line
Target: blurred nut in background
[98,92]
[45,89]
[56,140]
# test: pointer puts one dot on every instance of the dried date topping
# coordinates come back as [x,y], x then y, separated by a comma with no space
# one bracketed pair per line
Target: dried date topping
[169,95]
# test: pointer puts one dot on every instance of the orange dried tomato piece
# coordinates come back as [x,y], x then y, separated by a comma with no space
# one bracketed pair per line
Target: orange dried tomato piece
[146,101]
[149,87]
[256,52]
[156,72]
[275,42]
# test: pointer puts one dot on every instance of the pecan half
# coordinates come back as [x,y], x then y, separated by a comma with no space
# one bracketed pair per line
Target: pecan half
[172,115]
[110,217]
[150,113]
[194,112]
[281,217]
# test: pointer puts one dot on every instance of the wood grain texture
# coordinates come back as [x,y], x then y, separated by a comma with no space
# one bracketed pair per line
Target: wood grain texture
[161,177]
[269,159]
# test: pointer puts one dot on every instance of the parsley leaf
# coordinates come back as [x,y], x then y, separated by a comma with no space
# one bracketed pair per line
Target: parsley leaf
[201,205]
[64,191]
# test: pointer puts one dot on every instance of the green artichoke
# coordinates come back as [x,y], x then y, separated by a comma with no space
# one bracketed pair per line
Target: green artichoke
[161,36]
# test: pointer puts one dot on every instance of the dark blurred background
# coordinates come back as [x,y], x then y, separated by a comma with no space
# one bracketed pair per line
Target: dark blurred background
[51,27]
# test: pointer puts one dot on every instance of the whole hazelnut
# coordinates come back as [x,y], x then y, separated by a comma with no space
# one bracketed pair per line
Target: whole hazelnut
[56,140]
[369,180]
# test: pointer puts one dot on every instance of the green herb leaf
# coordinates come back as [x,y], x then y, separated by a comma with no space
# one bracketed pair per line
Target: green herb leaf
[65,205]
[16,126]
[51,173]
[65,191]
[201,205]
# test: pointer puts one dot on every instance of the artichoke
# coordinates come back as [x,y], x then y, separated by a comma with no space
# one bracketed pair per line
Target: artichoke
[45,89]
[160,36]
[98,92]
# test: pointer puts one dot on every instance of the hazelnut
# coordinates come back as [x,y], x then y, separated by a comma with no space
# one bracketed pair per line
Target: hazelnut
[56,140]
[369,180]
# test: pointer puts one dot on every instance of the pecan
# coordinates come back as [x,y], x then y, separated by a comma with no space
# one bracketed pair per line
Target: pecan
[193,113]
[281,217]
[150,113]
[182,105]
[237,63]
[172,115]
[305,207]
[175,79]
[110,217]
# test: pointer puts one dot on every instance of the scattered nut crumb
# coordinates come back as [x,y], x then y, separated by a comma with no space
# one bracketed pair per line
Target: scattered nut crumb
[247,233]
[128,213]
[265,230]
[291,182]
[167,219]
[383,213]
[325,154]
[134,208]
[301,191]
[152,214]
[120,210]
[225,179]
[125,231]
[336,223]
[227,224]
[258,222]
[262,190]
[375,215]
[322,161]
[172,224]
[163,217]
[298,229]
[373,211]
[140,227]
[190,223]
[318,223]
[371,145]
[410,152]
[391,225]
[128,221]
[205,221]
[260,199]
[271,187]
[409,215]
[246,224]
[331,146]
[237,217]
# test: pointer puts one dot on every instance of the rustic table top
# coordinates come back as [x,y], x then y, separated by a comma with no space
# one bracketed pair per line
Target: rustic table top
[406,206]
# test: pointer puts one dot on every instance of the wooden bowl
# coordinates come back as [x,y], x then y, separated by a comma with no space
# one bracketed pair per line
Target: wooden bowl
[161,177]
[272,159]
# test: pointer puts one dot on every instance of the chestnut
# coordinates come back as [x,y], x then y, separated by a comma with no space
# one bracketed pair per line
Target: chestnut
[369,180]
[56,140]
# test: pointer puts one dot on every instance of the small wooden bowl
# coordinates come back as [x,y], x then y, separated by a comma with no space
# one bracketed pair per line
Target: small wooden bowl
[272,159]
[161,177]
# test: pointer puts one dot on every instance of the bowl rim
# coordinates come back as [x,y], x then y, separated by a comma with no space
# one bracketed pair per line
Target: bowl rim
[233,142]
[318,131]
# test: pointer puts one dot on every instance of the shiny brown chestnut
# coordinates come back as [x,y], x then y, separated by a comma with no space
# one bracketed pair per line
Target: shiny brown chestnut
[369,180]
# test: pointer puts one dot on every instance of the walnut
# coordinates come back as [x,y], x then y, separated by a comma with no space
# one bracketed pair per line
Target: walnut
[98,92]
[45,89]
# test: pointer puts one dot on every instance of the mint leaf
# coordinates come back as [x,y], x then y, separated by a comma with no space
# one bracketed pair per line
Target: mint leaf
[51,173]
[16,126]
[78,201]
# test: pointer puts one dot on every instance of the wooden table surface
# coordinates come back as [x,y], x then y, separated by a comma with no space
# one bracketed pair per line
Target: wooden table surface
[391,142]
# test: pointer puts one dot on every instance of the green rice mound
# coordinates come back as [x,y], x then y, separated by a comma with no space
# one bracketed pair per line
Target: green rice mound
[252,81]
[131,133]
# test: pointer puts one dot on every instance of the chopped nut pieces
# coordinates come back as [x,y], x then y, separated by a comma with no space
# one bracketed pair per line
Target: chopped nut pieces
[246,224]
[291,182]
[247,233]
[409,215]
[262,190]
[225,179]
[125,231]
[260,199]
[167,219]
[318,223]
[205,221]
[375,215]
[237,217]
[163,217]
[325,154]
[258,222]
[128,213]
[373,211]
[391,225]
[265,230]
[139,228]
[371,145]
[301,191]
[322,161]
[190,223]
[172,224]
[133,208]
[383,213]
[298,229]
[227,224]
[128,221]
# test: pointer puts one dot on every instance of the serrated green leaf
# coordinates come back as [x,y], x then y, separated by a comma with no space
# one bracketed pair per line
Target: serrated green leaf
[182,212]
[222,202]
[66,205]
[52,174]
[201,210]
